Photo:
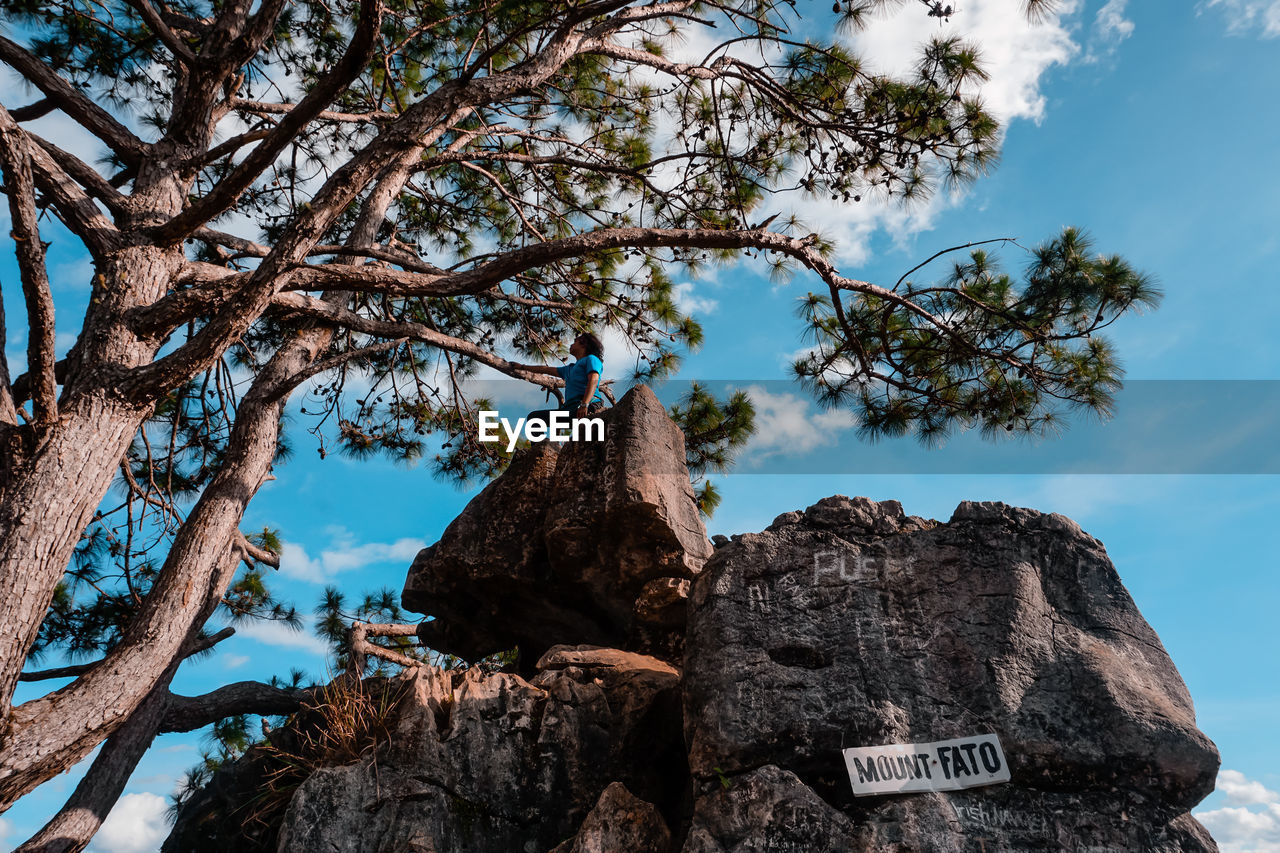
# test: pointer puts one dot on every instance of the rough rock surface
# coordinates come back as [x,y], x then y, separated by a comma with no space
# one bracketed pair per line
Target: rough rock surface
[771,809]
[620,822]
[488,763]
[585,543]
[851,624]
[847,624]
[496,763]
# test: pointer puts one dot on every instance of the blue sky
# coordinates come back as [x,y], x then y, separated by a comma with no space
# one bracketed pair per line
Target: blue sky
[1153,126]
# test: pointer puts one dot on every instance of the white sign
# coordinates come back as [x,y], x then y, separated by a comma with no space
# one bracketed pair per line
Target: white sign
[945,765]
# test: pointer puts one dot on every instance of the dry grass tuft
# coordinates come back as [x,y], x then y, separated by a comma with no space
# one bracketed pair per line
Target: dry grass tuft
[350,720]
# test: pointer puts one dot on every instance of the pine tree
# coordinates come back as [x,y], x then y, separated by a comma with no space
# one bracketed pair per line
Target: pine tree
[432,187]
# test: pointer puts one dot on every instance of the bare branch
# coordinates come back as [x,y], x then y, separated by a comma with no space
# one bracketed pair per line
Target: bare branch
[15,159]
[198,645]
[339,316]
[74,206]
[76,209]
[22,385]
[240,244]
[360,647]
[74,103]
[251,553]
[234,144]
[8,405]
[188,713]
[73,671]
[264,108]
[87,176]
[336,361]
[76,670]
[607,48]
[359,49]
[31,112]
[418,127]
[77,821]
[180,51]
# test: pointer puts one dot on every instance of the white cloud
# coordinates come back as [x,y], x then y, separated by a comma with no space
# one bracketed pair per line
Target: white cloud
[1015,51]
[1016,54]
[5,829]
[279,634]
[63,341]
[344,556]
[74,274]
[1247,15]
[688,303]
[1111,22]
[788,423]
[234,661]
[136,824]
[1240,830]
[1242,791]
[1082,496]
[1250,820]
[1110,28]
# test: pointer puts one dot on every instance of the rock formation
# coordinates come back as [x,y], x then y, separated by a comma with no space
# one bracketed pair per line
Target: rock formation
[847,624]
[590,543]
[851,624]
[470,761]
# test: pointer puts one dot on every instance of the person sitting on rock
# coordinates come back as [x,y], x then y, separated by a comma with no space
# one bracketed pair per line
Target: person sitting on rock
[581,379]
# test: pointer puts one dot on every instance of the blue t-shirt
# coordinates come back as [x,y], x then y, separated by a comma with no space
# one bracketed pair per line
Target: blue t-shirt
[575,378]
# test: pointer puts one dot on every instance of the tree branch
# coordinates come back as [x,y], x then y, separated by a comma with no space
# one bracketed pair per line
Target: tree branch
[73,671]
[74,206]
[74,103]
[224,195]
[153,20]
[234,144]
[76,670]
[76,209]
[421,125]
[21,190]
[87,176]
[31,112]
[336,361]
[8,405]
[70,830]
[361,648]
[22,385]
[251,552]
[339,316]
[263,108]
[188,713]
[607,48]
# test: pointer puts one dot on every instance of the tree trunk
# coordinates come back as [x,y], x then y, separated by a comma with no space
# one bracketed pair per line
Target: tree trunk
[66,467]
[71,829]
[50,734]
[49,500]
[45,736]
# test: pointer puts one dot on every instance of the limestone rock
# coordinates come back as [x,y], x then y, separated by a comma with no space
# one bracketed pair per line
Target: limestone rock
[620,822]
[482,762]
[771,809]
[847,624]
[561,547]
[852,624]
[767,809]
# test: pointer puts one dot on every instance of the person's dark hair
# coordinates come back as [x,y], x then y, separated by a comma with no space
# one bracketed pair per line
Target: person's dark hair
[592,345]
